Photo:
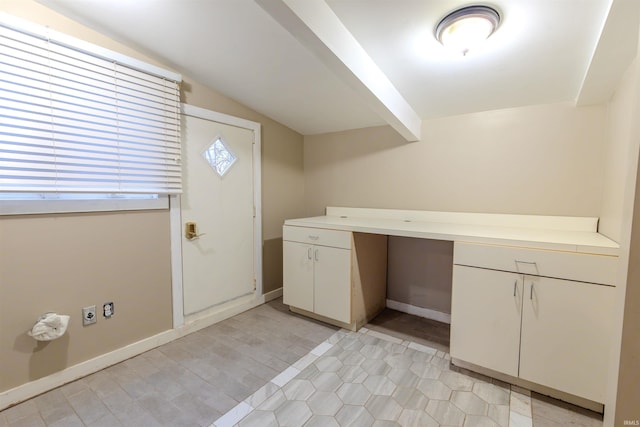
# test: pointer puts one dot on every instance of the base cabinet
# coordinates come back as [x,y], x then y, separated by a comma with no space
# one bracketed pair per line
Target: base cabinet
[337,276]
[554,332]
[318,279]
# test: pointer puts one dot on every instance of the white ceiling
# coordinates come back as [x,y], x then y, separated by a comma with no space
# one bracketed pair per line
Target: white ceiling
[267,55]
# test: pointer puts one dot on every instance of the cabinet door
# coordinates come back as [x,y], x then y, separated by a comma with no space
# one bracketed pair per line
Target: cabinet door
[332,294]
[297,275]
[485,318]
[565,335]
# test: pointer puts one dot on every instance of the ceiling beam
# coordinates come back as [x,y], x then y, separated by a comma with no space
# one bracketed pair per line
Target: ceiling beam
[616,48]
[316,26]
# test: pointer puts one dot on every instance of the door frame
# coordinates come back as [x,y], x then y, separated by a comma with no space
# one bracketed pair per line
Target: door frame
[175,211]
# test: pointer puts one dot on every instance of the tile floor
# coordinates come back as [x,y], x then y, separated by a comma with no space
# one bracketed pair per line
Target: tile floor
[270,367]
[548,412]
[369,378]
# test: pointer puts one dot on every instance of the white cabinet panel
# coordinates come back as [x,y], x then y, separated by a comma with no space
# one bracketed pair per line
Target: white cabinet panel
[565,335]
[298,275]
[332,284]
[562,339]
[485,319]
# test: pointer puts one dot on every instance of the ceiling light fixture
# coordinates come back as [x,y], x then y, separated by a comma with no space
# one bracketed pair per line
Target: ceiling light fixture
[465,28]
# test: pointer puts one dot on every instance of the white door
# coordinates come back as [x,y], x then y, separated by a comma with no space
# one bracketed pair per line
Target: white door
[218,197]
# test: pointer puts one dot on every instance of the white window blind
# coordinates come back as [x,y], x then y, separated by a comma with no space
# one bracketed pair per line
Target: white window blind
[78,119]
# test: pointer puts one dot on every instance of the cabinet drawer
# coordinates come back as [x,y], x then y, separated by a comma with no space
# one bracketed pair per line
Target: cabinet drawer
[317,236]
[563,265]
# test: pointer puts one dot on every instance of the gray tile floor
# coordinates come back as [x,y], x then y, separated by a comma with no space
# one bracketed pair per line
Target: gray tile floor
[208,375]
[371,379]
[548,412]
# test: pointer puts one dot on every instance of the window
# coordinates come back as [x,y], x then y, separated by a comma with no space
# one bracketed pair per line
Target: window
[76,119]
[219,157]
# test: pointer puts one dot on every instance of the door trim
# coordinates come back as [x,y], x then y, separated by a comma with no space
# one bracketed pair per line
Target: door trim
[175,213]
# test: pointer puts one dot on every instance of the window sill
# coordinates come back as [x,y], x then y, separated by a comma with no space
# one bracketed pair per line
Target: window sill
[30,207]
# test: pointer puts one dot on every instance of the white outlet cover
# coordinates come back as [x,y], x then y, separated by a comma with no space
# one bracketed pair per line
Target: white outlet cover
[107,309]
[89,315]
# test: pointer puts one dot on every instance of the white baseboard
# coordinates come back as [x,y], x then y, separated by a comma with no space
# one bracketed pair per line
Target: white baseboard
[72,373]
[270,296]
[215,314]
[34,388]
[419,311]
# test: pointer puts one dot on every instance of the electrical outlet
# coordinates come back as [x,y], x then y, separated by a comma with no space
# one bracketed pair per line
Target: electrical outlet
[89,315]
[107,309]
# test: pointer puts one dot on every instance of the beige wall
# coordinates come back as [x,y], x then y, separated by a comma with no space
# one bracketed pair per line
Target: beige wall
[537,160]
[619,156]
[419,272]
[621,220]
[628,374]
[65,262]
[619,194]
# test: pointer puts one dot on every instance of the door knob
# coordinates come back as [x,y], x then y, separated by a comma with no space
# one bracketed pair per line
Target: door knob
[191,231]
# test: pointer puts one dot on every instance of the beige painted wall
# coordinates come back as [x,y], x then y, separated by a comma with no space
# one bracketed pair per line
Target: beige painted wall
[46,265]
[65,262]
[543,159]
[628,387]
[621,220]
[419,272]
[620,155]
[628,375]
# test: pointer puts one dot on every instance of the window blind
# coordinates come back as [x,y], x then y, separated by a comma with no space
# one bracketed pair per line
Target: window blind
[72,120]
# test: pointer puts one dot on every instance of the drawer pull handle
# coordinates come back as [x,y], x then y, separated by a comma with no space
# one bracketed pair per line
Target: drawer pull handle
[526,262]
[309,253]
[531,292]
[313,237]
[515,284]
[316,255]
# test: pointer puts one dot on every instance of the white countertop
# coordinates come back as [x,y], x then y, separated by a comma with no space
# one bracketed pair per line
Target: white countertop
[564,240]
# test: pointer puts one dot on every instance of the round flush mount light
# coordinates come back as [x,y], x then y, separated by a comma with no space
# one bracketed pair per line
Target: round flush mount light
[465,28]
